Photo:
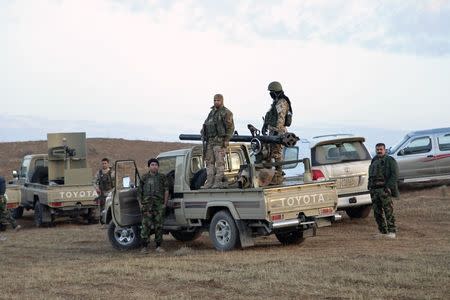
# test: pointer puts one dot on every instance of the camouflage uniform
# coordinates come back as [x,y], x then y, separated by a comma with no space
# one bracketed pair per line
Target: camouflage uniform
[383,175]
[5,214]
[275,122]
[151,193]
[104,182]
[217,131]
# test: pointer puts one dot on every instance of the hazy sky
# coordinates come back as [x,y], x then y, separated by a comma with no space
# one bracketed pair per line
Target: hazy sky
[383,64]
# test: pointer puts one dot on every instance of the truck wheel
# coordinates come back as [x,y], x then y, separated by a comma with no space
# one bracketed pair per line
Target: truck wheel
[38,214]
[358,212]
[123,238]
[291,237]
[223,231]
[186,236]
[17,212]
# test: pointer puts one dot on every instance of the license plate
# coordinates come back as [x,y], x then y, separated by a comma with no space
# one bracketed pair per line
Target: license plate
[347,182]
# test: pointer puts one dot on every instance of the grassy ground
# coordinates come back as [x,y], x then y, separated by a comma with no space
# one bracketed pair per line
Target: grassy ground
[343,261]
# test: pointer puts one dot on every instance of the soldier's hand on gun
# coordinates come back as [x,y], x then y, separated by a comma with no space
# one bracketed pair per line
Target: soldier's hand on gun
[388,191]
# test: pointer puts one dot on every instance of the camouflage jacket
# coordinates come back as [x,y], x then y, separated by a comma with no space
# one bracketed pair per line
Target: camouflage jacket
[219,125]
[383,172]
[104,181]
[152,188]
[276,117]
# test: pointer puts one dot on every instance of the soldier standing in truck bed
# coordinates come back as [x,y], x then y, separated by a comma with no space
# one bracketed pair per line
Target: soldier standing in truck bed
[216,132]
[276,120]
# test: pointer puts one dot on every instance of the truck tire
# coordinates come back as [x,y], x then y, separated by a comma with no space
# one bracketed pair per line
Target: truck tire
[186,236]
[223,231]
[123,238]
[360,212]
[17,212]
[290,237]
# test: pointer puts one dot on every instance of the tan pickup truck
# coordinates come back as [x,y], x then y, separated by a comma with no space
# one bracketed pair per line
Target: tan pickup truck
[55,184]
[233,216]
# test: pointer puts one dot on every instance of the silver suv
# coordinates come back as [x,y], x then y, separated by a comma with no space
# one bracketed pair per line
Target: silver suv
[423,155]
[341,157]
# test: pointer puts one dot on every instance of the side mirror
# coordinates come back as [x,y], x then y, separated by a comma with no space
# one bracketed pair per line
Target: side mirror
[126,182]
[401,152]
[15,174]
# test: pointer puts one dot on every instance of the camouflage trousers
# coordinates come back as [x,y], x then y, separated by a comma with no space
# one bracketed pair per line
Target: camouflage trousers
[152,214]
[5,215]
[276,153]
[383,210]
[215,164]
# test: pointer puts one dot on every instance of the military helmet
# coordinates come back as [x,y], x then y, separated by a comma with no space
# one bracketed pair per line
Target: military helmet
[275,86]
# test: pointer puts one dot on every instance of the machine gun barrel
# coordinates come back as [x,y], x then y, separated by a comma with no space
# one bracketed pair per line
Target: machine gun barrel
[288,139]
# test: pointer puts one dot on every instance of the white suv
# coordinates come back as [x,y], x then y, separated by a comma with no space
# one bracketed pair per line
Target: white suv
[344,158]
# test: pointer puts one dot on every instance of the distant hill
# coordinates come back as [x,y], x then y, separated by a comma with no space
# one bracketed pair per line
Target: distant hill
[27,128]
[11,153]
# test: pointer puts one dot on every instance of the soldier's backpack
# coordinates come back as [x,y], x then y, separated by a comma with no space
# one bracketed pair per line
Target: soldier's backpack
[288,118]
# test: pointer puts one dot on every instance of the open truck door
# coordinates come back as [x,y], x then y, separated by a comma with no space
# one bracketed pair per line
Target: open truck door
[124,228]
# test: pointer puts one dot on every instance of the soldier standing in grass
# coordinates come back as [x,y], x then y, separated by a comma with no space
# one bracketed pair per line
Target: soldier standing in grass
[383,176]
[153,194]
[104,182]
[276,120]
[5,214]
[216,132]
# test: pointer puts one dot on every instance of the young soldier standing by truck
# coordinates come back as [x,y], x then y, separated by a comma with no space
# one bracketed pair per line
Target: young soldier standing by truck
[153,194]
[104,182]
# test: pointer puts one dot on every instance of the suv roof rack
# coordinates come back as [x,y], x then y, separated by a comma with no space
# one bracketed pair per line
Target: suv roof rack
[330,135]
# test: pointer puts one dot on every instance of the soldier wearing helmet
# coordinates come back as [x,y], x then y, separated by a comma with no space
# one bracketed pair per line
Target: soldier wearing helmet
[276,120]
[217,131]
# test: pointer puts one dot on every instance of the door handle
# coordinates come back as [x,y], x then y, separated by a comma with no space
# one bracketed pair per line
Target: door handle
[430,155]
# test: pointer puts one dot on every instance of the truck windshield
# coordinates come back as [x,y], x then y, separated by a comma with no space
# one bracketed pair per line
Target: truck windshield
[338,152]
[24,167]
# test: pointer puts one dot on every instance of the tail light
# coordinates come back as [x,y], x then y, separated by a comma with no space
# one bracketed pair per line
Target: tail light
[55,204]
[11,205]
[317,175]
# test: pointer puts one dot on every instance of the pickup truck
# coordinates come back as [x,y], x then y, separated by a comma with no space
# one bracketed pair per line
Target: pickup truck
[423,155]
[56,184]
[232,216]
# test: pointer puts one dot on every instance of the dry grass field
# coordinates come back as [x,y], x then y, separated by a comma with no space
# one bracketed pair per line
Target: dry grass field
[75,261]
